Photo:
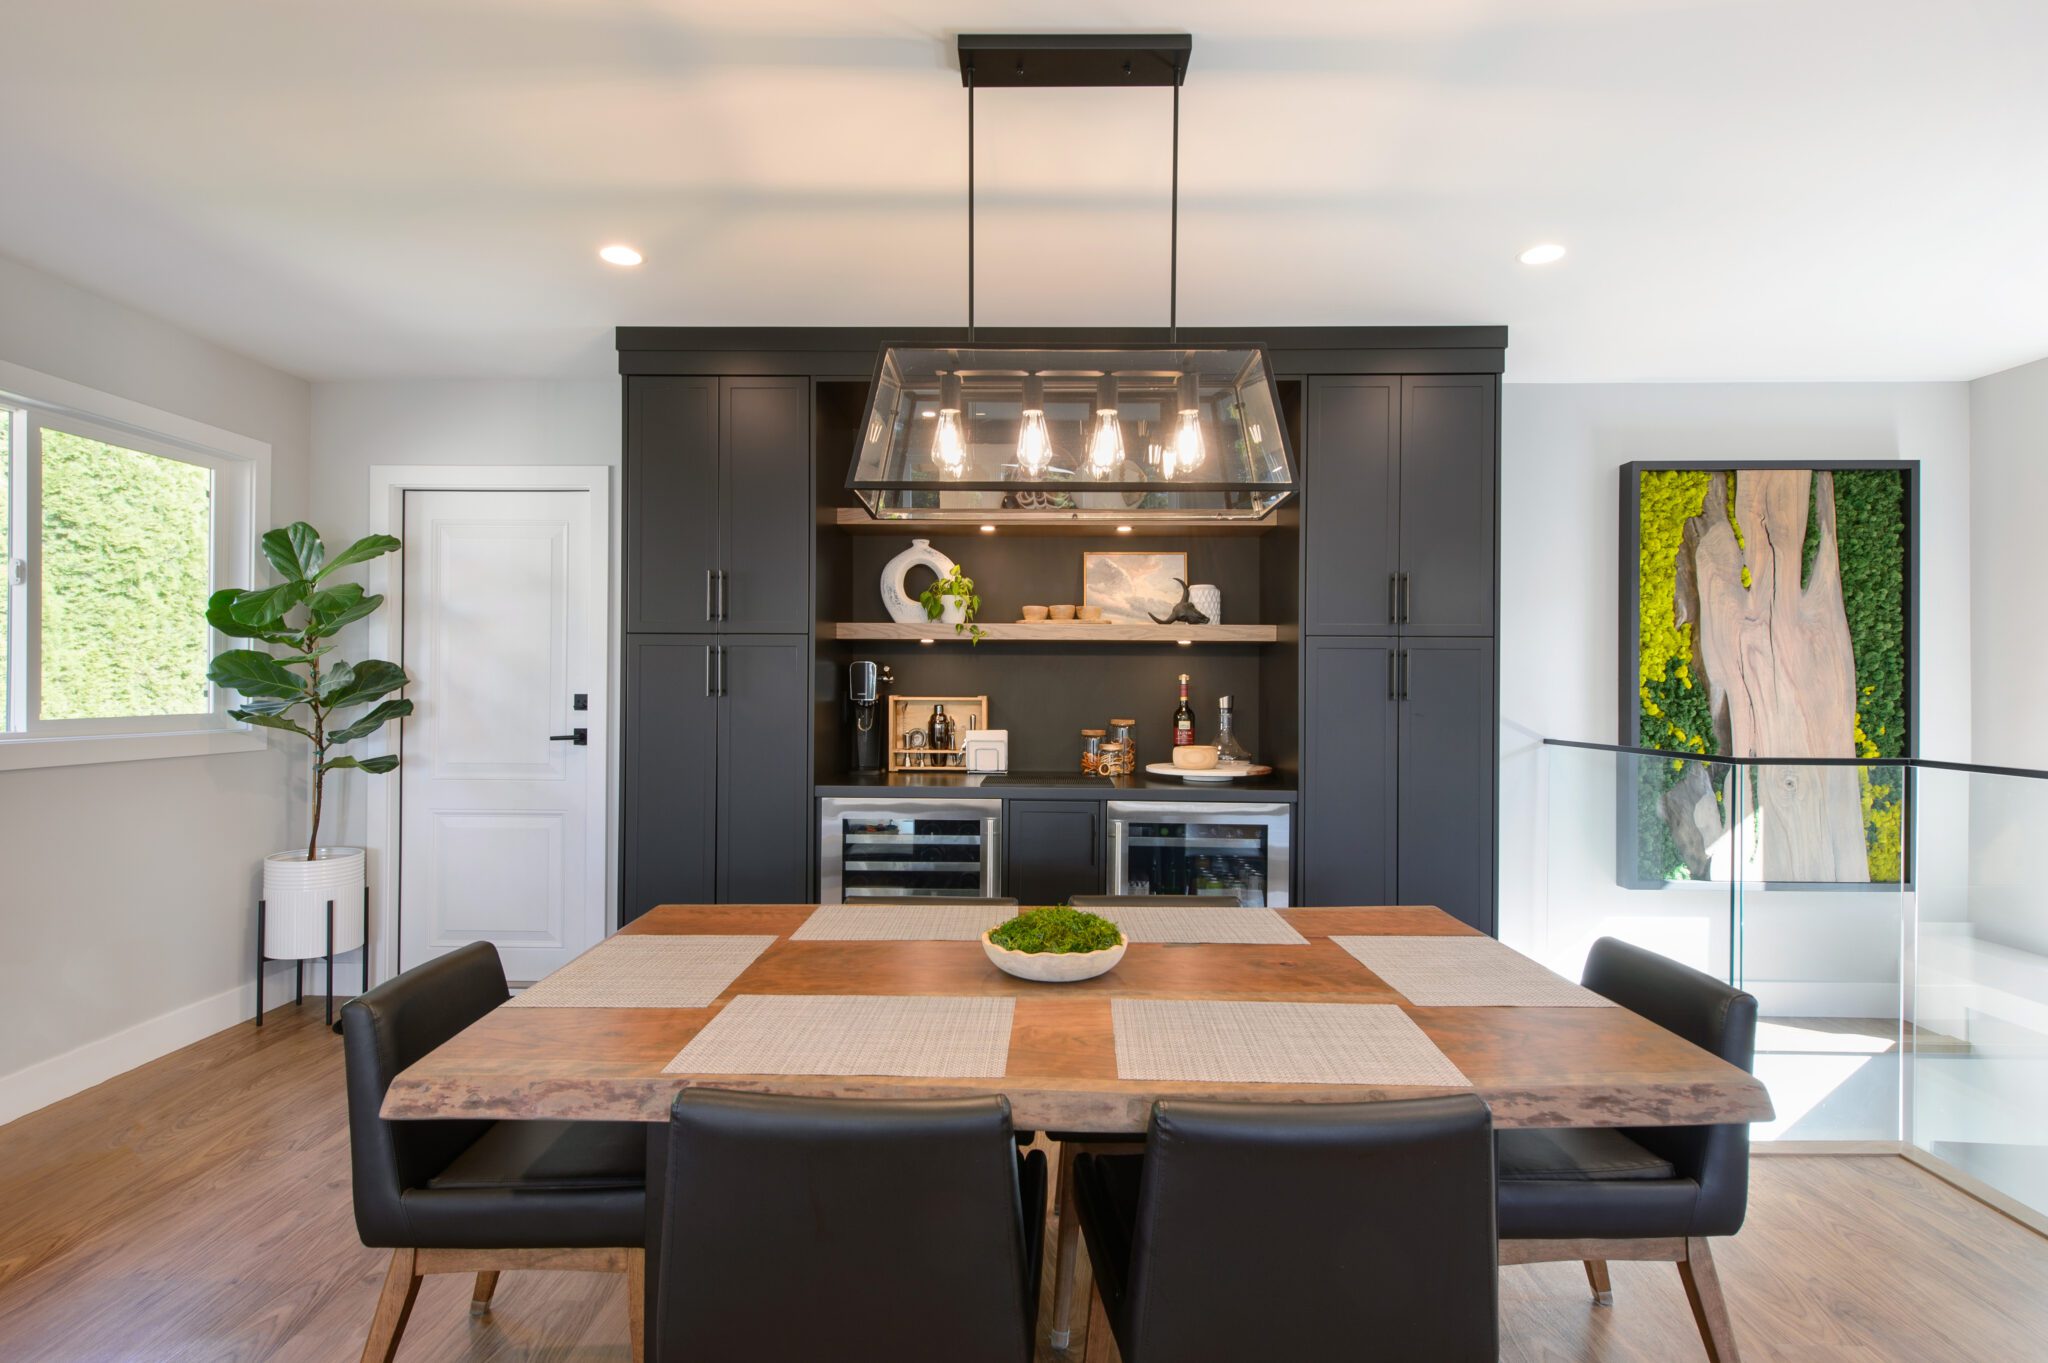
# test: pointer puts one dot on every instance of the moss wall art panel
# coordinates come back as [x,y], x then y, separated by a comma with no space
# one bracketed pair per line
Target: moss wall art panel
[1766,612]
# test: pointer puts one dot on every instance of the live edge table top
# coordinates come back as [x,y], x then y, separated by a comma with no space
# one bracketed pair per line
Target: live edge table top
[1533,1066]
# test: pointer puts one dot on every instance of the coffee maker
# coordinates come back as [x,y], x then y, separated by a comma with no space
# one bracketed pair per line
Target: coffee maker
[864,682]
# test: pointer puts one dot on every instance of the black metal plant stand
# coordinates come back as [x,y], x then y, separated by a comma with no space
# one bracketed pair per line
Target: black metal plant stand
[299,962]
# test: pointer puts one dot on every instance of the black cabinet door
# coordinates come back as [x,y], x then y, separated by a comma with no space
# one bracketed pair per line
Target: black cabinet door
[1054,850]
[1350,504]
[668,798]
[1447,778]
[766,521]
[765,829]
[1348,771]
[671,503]
[1448,540]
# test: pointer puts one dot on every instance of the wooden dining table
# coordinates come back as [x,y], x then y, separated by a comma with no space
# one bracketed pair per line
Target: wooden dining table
[1534,1067]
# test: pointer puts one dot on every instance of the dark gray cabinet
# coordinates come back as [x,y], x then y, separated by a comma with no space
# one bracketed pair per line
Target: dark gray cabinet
[1449,553]
[716,794]
[1446,785]
[1053,850]
[1350,504]
[718,505]
[1348,781]
[1398,505]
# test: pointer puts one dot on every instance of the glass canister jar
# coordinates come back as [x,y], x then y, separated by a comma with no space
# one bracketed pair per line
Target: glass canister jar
[1091,751]
[1125,731]
[1115,760]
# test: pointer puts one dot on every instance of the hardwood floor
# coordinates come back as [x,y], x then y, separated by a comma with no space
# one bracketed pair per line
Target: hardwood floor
[198,1209]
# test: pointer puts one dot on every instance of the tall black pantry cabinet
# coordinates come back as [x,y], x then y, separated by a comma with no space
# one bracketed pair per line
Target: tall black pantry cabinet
[1400,562]
[716,793]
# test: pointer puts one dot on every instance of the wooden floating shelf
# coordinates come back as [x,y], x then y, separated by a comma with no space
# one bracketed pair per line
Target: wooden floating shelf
[857,521]
[1057,632]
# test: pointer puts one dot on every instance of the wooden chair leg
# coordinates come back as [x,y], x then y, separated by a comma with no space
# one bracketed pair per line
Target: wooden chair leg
[480,1299]
[1067,1266]
[636,1302]
[1709,1307]
[1603,1288]
[394,1304]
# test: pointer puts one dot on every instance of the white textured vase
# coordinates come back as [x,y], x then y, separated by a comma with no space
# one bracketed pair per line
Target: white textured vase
[903,606]
[295,895]
[1208,599]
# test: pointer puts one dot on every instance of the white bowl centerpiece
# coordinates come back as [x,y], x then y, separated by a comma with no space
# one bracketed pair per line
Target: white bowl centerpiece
[1054,945]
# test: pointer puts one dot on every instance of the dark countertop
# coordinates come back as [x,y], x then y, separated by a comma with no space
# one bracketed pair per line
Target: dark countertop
[1028,785]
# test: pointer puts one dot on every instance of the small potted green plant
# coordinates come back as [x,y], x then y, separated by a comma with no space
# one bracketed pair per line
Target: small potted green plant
[951,600]
[1055,945]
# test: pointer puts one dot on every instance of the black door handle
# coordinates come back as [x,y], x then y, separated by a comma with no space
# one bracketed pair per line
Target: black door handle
[1407,595]
[580,737]
[1393,598]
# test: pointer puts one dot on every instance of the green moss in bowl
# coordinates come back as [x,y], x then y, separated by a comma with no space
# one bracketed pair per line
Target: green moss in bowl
[1058,931]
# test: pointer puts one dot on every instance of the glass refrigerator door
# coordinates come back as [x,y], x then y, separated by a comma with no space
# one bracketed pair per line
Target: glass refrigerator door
[1185,856]
[892,856]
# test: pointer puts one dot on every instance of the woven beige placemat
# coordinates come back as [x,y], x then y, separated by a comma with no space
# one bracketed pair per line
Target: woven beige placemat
[1466,972]
[647,972]
[1222,1042]
[901,922]
[917,1036]
[1174,923]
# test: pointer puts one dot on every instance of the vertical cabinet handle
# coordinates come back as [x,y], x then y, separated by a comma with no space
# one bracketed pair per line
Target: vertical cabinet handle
[710,594]
[721,669]
[1407,595]
[1404,674]
[1393,598]
[721,595]
[707,671]
[1393,689]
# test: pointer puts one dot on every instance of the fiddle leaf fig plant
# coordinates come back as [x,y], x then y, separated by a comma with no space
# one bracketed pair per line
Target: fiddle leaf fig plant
[300,689]
[959,587]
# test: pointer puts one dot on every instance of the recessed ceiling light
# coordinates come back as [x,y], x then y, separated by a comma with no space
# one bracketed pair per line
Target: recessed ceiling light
[1543,253]
[618,254]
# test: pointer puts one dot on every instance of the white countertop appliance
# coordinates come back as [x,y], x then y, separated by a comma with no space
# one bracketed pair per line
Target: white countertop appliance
[986,750]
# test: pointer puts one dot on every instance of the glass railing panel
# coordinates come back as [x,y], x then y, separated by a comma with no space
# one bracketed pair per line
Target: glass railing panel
[1639,848]
[1979,1095]
[1823,914]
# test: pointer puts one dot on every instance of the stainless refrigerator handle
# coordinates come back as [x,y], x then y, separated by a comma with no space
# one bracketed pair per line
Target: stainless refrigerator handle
[1118,856]
[991,856]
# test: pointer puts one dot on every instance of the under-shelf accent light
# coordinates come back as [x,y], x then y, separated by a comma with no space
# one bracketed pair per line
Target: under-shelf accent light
[1106,445]
[1034,441]
[949,445]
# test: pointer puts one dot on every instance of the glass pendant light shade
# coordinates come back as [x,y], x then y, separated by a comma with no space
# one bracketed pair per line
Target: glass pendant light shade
[1034,440]
[1211,439]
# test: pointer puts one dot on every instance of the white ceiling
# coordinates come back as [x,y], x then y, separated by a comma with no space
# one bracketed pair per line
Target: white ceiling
[1750,189]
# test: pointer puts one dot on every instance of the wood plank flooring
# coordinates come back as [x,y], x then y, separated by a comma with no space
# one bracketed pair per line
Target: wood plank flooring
[198,1209]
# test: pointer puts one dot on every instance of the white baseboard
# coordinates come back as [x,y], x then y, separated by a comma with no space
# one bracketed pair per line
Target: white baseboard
[48,1081]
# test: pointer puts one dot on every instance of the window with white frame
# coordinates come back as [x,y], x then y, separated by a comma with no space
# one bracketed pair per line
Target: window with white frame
[112,540]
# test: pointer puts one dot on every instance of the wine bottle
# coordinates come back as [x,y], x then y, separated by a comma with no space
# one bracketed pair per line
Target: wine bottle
[1183,718]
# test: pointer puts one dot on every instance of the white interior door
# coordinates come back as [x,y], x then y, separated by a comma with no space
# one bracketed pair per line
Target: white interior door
[501,824]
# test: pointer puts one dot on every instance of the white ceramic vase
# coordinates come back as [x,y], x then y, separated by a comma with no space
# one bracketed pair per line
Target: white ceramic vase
[1208,599]
[952,611]
[295,895]
[897,598]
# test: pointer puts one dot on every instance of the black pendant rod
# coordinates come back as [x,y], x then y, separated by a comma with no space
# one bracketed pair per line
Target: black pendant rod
[970,203]
[1173,250]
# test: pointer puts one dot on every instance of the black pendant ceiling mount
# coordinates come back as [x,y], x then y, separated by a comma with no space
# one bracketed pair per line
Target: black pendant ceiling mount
[1063,431]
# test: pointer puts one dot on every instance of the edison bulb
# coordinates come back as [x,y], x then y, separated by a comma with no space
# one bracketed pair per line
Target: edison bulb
[949,446]
[1187,442]
[1106,446]
[1034,444]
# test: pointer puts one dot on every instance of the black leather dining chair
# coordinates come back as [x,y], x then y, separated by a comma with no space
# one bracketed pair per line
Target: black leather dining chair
[477,1196]
[1649,1193]
[860,1231]
[1306,1232]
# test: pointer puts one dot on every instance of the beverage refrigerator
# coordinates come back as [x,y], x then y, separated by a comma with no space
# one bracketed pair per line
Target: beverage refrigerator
[1204,849]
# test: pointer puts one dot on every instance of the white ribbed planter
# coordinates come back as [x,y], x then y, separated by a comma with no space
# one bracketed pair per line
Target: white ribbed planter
[295,895]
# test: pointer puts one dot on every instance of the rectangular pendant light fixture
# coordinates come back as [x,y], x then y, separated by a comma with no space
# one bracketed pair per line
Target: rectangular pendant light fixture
[1077,431]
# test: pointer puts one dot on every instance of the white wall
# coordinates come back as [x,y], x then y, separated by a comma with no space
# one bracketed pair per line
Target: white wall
[127,890]
[356,425]
[1562,447]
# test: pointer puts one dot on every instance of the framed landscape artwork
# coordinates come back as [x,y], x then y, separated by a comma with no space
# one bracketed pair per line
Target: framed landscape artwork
[1767,611]
[1137,588]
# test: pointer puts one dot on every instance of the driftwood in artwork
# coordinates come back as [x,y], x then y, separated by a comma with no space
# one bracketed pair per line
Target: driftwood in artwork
[1778,662]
